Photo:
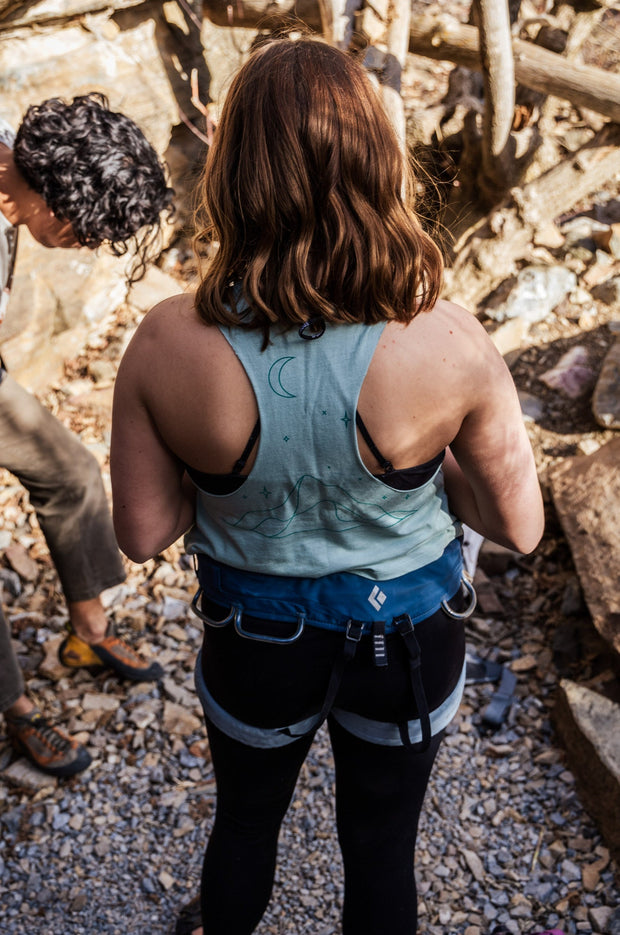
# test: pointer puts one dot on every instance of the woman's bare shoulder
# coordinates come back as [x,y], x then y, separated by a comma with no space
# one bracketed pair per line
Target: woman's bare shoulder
[447,333]
[174,322]
[447,318]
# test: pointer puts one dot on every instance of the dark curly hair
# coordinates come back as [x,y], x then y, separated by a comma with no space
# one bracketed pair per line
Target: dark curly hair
[94,168]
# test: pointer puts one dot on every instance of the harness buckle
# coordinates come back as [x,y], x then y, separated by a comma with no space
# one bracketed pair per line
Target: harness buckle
[403,624]
[355,630]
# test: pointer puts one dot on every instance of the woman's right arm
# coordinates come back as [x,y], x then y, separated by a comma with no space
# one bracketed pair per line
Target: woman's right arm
[153,499]
[489,470]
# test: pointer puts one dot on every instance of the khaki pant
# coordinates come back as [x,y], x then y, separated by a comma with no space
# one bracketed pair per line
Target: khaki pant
[67,494]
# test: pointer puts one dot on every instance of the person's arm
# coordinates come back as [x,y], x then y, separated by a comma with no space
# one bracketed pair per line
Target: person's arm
[153,499]
[489,470]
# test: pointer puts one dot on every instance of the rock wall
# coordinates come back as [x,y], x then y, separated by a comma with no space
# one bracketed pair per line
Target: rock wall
[141,55]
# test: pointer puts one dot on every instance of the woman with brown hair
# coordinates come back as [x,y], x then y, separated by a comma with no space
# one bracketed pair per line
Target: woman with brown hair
[297,418]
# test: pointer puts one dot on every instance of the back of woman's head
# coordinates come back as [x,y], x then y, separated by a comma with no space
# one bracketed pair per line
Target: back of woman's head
[303,192]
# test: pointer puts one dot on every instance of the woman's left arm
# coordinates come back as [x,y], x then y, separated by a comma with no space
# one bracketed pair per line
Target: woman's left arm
[153,499]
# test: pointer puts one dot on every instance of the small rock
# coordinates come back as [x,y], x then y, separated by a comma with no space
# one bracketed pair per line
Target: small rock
[475,864]
[599,917]
[166,880]
[97,701]
[79,902]
[51,667]
[144,714]
[588,445]
[10,580]
[23,773]
[590,877]
[572,375]
[179,721]
[532,408]
[537,291]
[19,560]
[608,291]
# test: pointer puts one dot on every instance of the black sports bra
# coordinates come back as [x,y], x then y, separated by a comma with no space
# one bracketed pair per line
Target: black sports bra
[401,479]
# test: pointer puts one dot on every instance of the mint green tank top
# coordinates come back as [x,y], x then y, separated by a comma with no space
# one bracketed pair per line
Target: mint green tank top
[309,506]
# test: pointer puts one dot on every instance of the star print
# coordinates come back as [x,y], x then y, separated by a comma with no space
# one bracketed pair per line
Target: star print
[266,493]
[286,438]
[323,412]
[346,419]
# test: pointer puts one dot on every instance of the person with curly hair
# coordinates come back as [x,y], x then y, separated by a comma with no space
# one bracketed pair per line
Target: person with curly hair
[75,174]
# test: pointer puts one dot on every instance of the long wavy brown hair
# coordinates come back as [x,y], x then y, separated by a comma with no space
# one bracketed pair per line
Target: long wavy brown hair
[303,191]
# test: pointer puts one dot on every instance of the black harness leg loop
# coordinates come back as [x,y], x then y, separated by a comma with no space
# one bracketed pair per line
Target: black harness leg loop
[405,628]
[353,635]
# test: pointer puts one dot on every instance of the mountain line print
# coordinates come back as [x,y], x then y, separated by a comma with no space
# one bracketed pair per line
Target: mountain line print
[313,505]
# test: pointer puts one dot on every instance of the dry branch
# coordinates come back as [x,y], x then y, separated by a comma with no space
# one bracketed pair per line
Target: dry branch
[446,39]
[499,93]
[399,18]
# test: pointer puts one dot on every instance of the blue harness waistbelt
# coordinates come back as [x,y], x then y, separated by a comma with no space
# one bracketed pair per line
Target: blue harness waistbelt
[331,601]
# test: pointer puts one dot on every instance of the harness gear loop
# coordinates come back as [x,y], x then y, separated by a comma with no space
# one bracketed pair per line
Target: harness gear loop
[261,638]
[405,628]
[235,615]
[195,607]
[462,615]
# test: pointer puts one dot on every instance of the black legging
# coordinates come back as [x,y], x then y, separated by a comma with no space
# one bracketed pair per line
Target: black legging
[379,789]
[379,795]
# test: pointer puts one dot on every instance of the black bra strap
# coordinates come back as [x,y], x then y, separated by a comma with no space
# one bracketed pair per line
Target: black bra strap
[385,464]
[240,464]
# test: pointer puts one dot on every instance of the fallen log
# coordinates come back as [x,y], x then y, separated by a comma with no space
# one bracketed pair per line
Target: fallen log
[253,13]
[445,39]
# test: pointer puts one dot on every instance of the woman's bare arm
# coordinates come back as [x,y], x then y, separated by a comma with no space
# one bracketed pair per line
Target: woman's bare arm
[153,499]
[489,470]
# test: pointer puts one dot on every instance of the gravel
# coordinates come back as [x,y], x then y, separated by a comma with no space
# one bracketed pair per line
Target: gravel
[116,851]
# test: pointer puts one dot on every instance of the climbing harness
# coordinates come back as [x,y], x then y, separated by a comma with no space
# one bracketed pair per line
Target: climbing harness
[415,734]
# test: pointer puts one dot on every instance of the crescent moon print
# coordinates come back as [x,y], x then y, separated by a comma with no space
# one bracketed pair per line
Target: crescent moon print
[274,377]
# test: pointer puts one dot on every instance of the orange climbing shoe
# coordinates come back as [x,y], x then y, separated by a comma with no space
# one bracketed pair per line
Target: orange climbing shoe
[45,745]
[112,653]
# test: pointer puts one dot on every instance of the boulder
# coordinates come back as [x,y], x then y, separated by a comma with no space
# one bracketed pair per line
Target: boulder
[56,297]
[606,398]
[118,55]
[123,48]
[586,493]
[589,726]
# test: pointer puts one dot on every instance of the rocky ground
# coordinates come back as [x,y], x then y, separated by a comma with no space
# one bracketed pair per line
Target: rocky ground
[504,838]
